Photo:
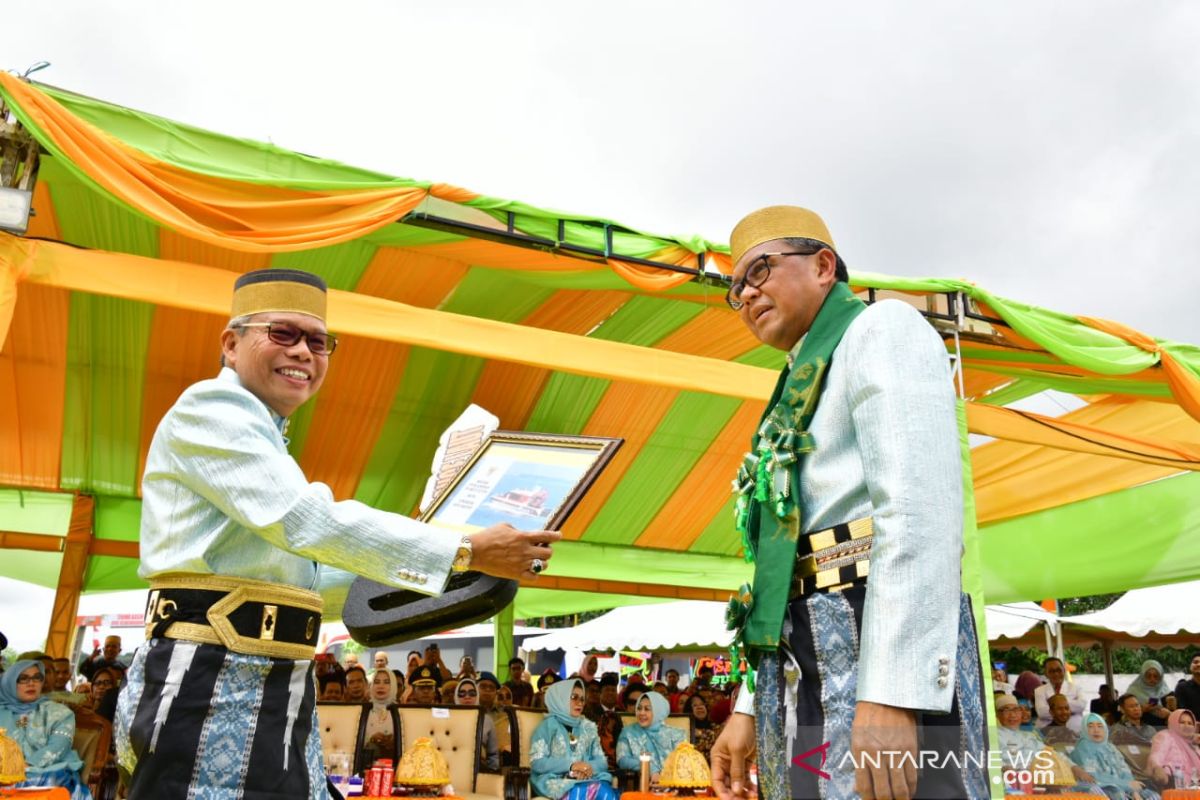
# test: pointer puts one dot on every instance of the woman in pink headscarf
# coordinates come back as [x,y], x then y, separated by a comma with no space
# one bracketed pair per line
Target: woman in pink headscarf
[1175,748]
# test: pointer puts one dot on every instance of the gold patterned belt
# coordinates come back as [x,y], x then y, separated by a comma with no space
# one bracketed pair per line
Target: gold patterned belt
[838,558]
[246,616]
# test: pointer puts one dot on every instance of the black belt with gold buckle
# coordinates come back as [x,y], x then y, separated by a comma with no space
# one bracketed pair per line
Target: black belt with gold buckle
[246,617]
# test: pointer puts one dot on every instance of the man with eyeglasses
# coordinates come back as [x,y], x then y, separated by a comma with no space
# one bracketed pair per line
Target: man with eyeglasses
[855,471]
[220,700]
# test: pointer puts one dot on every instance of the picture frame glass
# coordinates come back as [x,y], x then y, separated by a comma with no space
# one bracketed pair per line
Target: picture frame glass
[530,481]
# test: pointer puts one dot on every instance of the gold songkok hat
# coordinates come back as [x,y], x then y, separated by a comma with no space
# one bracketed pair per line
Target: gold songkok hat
[776,222]
[288,290]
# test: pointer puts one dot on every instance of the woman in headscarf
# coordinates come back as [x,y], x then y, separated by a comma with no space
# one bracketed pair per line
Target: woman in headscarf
[44,730]
[649,736]
[547,679]
[587,672]
[466,693]
[379,735]
[704,730]
[1174,749]
[565,757]
[1150,689]
[1027,682]
[1104,762]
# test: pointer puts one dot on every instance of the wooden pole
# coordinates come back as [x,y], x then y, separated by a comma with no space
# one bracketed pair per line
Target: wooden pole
[76,553]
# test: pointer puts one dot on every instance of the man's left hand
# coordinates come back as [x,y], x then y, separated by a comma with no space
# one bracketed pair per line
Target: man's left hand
[893,732]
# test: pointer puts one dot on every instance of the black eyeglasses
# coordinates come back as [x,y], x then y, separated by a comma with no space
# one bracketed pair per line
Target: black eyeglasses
[470,693]
[287,335]
[576,698]
[756,275]
[30,679]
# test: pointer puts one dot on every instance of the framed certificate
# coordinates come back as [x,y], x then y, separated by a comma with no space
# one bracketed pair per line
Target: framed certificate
[532,481]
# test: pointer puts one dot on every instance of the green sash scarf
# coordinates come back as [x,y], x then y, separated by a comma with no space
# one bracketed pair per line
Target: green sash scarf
[767,484]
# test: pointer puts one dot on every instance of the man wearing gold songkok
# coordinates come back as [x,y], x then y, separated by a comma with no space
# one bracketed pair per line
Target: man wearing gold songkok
[236,544]
[850,506]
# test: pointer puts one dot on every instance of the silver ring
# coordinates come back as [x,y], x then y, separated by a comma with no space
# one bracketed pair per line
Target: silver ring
[536,566]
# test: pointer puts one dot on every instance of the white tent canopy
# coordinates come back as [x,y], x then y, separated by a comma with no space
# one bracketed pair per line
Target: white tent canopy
[701,623]
[1014,620]
[662,626]
[1170,609]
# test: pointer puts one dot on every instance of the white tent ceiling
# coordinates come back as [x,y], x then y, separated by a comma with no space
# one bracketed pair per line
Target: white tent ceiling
[701,624]
[1170,609]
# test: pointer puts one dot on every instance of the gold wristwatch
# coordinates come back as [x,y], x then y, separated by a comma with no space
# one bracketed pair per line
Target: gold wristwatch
[462,559]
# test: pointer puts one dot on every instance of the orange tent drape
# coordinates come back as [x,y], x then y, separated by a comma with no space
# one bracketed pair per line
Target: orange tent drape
[1185,385]
[232,214]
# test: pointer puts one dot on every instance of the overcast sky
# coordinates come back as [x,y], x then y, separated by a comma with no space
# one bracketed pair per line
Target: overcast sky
[1047,151]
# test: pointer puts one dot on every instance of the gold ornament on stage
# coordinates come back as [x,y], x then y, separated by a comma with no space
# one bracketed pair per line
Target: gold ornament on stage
[422,765]
[685,768]
[12,761]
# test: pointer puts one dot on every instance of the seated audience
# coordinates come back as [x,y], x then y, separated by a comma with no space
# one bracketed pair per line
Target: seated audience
[466,693]
[1101,759]
[719,707]
[1106,705]
[674,693]
[1175,750]
[332,686]
[401,687]
[607,716]
[1133,737]
[1187,691]
[522,692]
[1023,750]
[424,684]
[61,693]
[446,691]
[103,700]
[43,729]
[1000,682]
[661,688]
[630,696]
[1150,689]
[1017,747]
[1059,732]
[379,736]
[704,730]
[504,697]
[649,736]
[548,678]
[466,668]
[381,659]
[356,685]
[588,672]
[565,757]
[1057,683]
[109,656]
[351,661]
[1027,683]
[488,685]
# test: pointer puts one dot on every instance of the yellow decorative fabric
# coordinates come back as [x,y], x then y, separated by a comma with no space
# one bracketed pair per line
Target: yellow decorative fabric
[685,768]
[12,762]
[422,765]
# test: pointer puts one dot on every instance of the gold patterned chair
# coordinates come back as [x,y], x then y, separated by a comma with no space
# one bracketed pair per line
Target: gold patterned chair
[457,732]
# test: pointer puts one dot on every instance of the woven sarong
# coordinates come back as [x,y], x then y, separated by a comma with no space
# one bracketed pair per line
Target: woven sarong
[824,642]
[198,722]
